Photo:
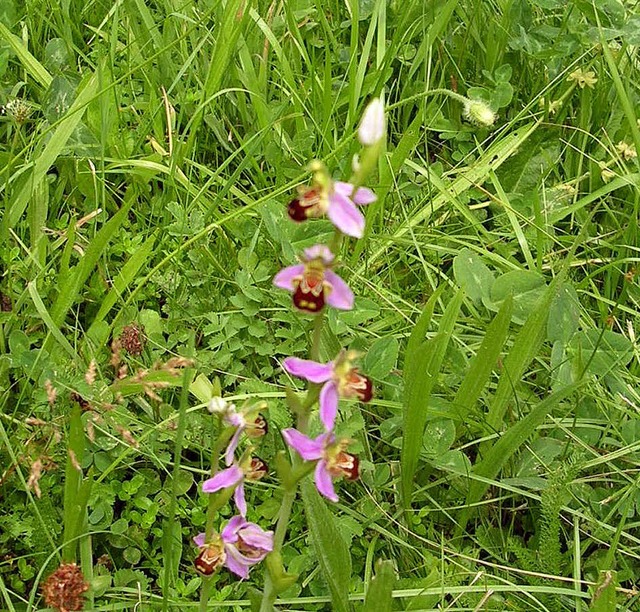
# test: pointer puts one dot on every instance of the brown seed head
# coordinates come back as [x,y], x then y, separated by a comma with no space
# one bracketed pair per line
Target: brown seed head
[132,339]
[63,590]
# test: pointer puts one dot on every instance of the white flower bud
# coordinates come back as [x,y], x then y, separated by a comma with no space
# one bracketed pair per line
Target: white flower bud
[373,125]
[217,405]
[478,112]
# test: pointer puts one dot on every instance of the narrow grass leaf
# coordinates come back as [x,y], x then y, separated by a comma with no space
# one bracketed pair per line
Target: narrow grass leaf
[524,350]
[70,287]
[331,550]
[484,362]
[127,275]
[52,150]
[48,321]
[508,443]
[422,364]
[30,63]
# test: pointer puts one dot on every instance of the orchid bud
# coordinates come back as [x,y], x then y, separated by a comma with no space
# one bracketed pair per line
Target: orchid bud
[373,125]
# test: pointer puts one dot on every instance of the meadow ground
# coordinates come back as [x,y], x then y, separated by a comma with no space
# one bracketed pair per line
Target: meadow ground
[149,151]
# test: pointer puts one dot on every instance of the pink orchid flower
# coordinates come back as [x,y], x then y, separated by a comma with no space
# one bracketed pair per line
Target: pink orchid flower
[336,199]
[340,378]
[240,546]
[313,283]
[248,421]
[333,460]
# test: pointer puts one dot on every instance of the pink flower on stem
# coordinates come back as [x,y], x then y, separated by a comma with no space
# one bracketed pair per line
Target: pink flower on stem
[336,199]
[313,283]
[240,546]
[340,380]
[333,460]
[231,477]
[248,420]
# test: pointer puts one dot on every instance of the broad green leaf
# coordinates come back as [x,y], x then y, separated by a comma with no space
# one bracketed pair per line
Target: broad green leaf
[484,362]
[473,275]
[379,596]
[524,286]
[381,358]
[331,550]
[564,315]
[600,351]
[422,365]
[604,595]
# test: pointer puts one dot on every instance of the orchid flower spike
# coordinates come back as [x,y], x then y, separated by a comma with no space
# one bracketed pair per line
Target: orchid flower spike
[333,460]
[340,379]
[336,199]
[239,546]
[313,282]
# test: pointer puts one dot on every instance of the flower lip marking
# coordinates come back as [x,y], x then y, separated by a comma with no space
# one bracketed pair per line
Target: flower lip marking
[211,557]
[313,283]
[306,205]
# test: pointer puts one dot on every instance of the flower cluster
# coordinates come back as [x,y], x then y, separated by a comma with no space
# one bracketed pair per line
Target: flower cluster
[313,285]
[240,544]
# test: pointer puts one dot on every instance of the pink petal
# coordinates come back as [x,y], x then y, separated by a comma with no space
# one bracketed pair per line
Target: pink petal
[199,539]
[345,189]
[238,498]
[233,444]
[319,251]
[284,279]
[230,532]
[307,448]
[236,562]
[309,370]
[340,296]
[363,196]
[222,480]
[324,482]
[254,536]
[345,216]
[329,405]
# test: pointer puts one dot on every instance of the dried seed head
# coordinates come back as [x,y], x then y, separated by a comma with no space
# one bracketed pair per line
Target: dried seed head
[51,392]
[132,339]
[34,477]
[90,374]
[63,590]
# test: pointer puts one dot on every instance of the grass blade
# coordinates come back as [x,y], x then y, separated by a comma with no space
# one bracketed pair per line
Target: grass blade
[483,363]
[422,364]
[496,457]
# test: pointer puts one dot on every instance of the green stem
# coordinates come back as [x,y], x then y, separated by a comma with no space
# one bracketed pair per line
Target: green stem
[169,543]
[215,503]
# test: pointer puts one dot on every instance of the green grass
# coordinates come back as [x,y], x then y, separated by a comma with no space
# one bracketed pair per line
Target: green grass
[148,184]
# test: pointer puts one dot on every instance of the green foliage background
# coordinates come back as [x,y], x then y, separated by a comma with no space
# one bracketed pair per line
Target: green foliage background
[148,184]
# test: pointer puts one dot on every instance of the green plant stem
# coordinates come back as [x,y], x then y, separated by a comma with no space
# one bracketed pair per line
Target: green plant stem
[171,511]
[215,503]
[269,594]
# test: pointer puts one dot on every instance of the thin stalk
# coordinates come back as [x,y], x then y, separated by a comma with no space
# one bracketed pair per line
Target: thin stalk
[171,512]
[215,503]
